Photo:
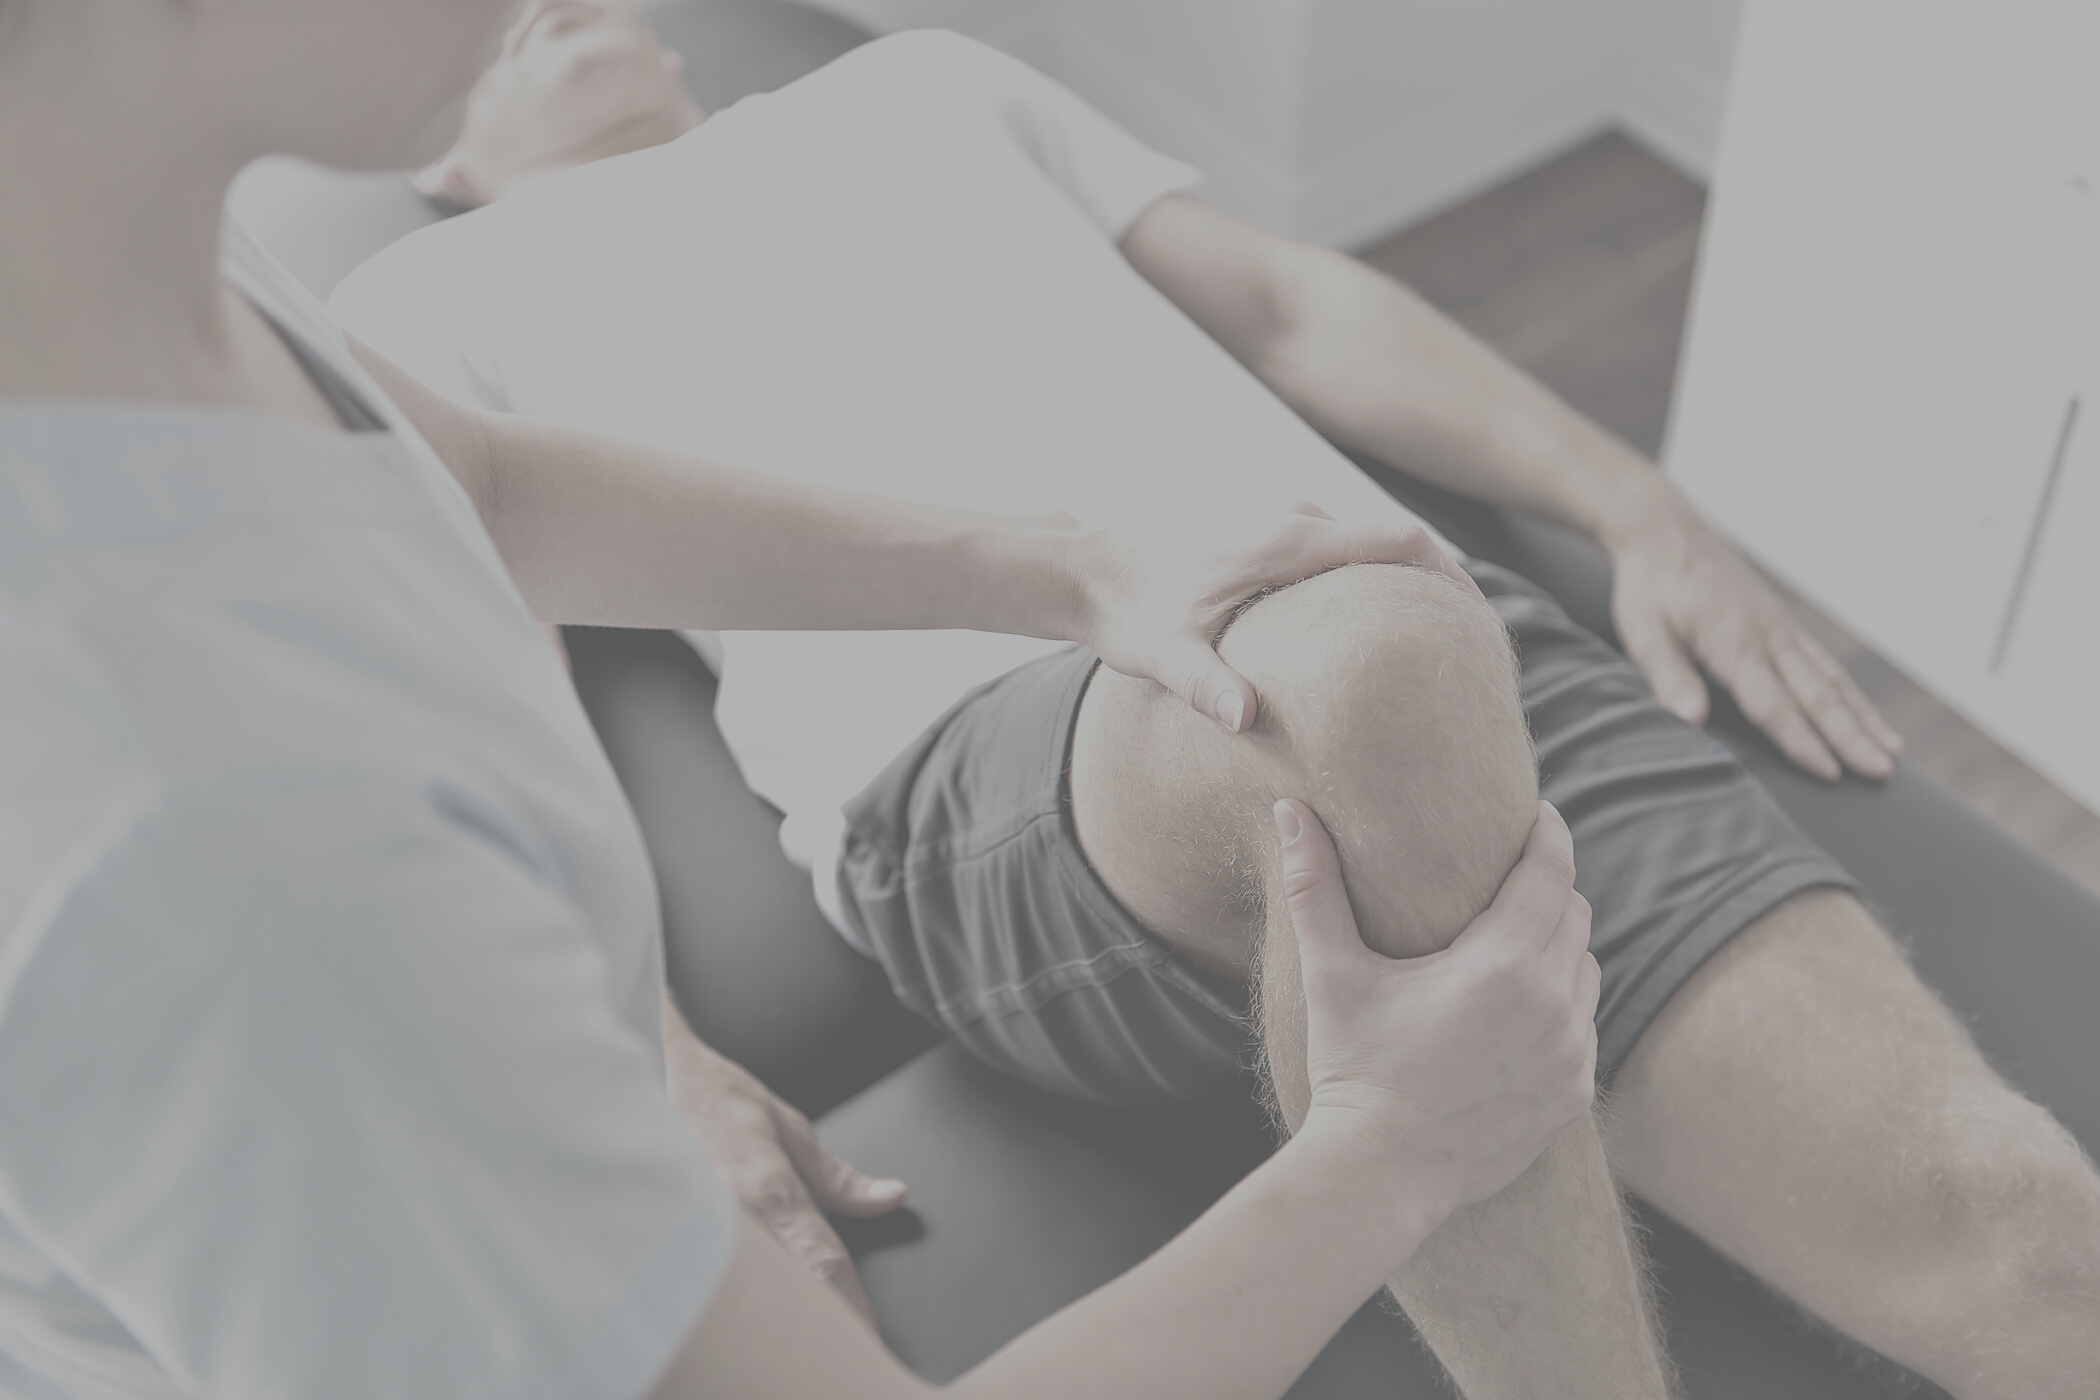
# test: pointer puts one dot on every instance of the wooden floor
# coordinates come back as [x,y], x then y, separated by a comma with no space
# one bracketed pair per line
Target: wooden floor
[1580,271]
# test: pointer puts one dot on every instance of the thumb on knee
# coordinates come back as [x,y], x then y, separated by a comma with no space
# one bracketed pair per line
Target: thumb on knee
[1313,891]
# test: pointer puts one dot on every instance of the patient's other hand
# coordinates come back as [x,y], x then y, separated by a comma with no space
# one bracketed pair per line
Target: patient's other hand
[770,1156]
[1683,598]
[1154,597]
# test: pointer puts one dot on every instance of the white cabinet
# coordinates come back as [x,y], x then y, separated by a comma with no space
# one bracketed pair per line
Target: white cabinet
[1891,385]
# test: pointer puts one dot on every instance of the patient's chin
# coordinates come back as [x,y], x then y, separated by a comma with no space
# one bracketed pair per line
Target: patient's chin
[428,147]
[447,184]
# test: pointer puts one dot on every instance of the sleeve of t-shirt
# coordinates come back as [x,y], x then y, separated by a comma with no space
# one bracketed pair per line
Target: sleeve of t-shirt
[1108,173]
[313,1082]
[424,303]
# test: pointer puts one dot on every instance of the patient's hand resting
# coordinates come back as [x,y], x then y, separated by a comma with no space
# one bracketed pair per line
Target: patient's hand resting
[770,1156]
[1682,598]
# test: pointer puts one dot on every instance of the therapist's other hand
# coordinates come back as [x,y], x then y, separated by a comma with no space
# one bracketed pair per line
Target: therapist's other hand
[1462,1065]
[769,1155]
[1154,597]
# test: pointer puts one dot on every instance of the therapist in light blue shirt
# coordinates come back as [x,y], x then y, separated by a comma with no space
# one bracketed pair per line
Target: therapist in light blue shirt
[331,1060]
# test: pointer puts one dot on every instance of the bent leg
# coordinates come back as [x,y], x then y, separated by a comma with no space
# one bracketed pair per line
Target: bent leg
[1808,1106]
[1389,704]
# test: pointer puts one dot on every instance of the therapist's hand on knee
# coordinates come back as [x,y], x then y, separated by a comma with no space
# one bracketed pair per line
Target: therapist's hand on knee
[1155,597]
[1462,1064]
[769,1155]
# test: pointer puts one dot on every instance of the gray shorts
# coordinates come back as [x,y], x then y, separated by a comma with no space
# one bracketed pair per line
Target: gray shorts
[964,872]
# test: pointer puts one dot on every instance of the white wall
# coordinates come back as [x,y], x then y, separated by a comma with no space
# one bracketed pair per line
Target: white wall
[1342,120]
[1415,105]
[1675,57]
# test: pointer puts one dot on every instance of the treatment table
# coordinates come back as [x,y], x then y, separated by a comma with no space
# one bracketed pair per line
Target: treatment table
[1021,1202]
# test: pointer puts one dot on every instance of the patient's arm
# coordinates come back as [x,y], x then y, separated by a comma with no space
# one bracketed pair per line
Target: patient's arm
[1374,367]
[596,530]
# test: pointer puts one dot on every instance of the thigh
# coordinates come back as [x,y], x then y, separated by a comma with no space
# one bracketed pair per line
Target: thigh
[1161,802]
[961,870]
[1677,848]
[1814,1111]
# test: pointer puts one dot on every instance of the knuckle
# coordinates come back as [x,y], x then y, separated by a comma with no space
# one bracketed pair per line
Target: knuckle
[1503,968]
[1305,900]
[748,1117]
[1560,863]
[774,1196]
[1817,688]
[1299,884]
[1825,704]
[1763,710]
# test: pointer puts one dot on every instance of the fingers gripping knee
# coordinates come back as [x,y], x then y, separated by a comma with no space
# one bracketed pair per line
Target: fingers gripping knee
[1391,695]
[1389,704]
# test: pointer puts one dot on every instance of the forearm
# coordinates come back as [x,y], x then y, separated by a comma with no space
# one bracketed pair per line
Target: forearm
[1232,1309]
[598,530]
[1378,369]
[601,531]
[1374,367]
[1241,1301]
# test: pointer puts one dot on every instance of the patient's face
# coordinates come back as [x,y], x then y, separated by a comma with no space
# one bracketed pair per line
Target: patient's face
[578,80]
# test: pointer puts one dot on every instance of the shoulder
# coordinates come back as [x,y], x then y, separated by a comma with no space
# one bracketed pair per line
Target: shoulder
[415,279]
[434,301]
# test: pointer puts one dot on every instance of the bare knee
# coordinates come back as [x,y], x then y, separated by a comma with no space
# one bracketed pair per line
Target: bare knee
[1392,696]
[1999,1291]
[1388,701]
[2008,1199]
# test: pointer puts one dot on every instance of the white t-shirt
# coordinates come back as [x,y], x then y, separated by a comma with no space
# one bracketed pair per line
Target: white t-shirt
[329,957]
[898,274]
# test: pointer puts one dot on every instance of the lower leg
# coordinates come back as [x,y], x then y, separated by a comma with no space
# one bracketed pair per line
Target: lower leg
[1402,728]
[1539,1291]
[1812,1110]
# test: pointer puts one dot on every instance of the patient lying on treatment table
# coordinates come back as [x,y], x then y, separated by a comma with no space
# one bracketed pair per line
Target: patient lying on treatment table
[929,271]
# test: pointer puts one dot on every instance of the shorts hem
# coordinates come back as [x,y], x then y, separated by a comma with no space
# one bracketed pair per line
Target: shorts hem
[1621,1025]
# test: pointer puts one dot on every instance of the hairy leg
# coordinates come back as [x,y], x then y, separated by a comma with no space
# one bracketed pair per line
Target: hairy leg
[1540,1291]
[1807,1105]
[1388,704]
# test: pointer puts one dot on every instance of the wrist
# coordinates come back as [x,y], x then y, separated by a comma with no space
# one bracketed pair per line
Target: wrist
[1064,588]
[1404,1199]
[1631,504]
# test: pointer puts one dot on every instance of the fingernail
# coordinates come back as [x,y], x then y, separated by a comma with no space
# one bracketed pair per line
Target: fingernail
[1231,709]
[886,1186]
[1288,826]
